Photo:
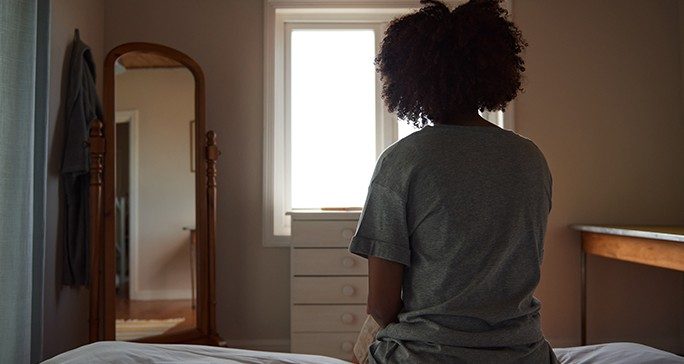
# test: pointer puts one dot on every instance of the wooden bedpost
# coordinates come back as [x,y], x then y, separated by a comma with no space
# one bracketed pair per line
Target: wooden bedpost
[212,154]
[96,144]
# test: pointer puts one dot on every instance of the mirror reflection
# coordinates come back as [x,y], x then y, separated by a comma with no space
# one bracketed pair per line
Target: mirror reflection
[155,196]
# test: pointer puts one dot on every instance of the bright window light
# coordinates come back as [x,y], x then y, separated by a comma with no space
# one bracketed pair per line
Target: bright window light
[405,129]
[332,116]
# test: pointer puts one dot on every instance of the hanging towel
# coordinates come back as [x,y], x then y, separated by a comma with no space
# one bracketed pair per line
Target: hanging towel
[82,106]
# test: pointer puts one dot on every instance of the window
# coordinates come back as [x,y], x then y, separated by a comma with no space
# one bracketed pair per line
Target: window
[324,121]
[332,115]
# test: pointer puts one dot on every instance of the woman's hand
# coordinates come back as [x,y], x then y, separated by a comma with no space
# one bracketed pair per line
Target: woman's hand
[384,290]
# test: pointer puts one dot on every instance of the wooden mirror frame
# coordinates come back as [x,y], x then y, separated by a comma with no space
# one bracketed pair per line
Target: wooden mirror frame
[102,144]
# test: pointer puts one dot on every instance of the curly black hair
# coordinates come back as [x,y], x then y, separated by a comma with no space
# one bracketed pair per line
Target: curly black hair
[436,62]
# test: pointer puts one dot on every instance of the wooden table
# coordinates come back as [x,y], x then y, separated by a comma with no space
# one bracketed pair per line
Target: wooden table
[658,246]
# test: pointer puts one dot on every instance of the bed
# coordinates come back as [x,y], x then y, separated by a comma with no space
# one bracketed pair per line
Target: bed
[121,352]
[125,352]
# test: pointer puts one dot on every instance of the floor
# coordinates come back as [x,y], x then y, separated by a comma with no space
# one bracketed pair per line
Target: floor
[158,309]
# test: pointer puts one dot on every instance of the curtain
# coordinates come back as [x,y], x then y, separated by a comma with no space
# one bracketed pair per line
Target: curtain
[17,93]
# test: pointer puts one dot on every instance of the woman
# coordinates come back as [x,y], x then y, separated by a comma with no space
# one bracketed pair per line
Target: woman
[454,222]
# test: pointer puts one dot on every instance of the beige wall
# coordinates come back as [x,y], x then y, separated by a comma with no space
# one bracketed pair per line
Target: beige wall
[681,108]
[165,101]
[603,101]
[681,54]
[65,309]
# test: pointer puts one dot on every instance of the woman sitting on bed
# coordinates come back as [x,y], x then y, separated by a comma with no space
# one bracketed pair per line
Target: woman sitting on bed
[454,222]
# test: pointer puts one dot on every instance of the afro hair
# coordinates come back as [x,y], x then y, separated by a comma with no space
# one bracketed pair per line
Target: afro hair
[436,62]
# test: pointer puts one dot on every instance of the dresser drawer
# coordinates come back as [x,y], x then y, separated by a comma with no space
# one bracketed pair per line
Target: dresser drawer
[327,318]
[327,262]
[335,290]
[336,345]
[309,233]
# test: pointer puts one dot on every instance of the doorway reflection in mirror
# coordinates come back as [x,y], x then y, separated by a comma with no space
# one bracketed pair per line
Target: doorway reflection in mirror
[155,197]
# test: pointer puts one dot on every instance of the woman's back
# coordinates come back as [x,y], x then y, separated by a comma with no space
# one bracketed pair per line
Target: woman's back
[465,209]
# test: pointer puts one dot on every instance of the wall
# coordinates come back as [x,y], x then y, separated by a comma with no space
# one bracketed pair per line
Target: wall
[225,38]
[165,101]
[681,53]
[65,309]
[603,101]
[681,108]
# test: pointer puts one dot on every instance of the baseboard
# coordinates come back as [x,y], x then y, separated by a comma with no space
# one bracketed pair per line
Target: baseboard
[166,294]
[277,345]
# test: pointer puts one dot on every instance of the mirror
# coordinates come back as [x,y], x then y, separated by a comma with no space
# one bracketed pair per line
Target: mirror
[152,201]
[155,196]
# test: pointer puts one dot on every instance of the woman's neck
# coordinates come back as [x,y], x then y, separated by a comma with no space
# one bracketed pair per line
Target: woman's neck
[465,118]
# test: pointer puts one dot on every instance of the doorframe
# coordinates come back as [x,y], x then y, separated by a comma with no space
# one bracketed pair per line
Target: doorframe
[131,117]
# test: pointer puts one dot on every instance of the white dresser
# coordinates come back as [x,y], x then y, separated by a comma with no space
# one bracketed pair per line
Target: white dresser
[329,286]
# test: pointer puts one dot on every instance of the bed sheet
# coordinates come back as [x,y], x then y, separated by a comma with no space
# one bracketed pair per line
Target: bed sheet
[118,352]
[124,353]
[616,353]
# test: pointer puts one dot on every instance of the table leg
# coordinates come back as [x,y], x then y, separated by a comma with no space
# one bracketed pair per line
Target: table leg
[583,307]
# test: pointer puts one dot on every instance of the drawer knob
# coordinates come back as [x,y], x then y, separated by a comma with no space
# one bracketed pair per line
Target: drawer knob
[348,262]
[348,290]
[347,318]
[347,233]
[347,346]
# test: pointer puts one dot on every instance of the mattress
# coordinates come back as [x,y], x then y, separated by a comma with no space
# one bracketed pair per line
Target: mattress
[125,352]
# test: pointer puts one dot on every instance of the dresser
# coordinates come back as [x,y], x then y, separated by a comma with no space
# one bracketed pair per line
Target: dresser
[329,286]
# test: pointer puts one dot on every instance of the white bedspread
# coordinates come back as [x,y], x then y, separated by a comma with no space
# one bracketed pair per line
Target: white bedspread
[125,352]
[616,353]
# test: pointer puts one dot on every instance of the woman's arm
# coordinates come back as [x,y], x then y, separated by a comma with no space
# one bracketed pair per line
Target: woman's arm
[384,290]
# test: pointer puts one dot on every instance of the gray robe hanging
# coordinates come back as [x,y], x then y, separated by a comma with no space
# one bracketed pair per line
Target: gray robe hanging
[82,106]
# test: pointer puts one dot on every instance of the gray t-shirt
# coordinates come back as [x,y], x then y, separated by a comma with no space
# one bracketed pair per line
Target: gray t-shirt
[464,208]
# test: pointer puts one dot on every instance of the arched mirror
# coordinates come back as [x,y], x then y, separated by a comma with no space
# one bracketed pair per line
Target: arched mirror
[153,260]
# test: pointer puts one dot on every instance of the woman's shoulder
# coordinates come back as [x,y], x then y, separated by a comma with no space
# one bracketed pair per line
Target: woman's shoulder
[416,147]
[402,152]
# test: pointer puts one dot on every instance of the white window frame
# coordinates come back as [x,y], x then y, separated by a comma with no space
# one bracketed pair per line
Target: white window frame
[280,18]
